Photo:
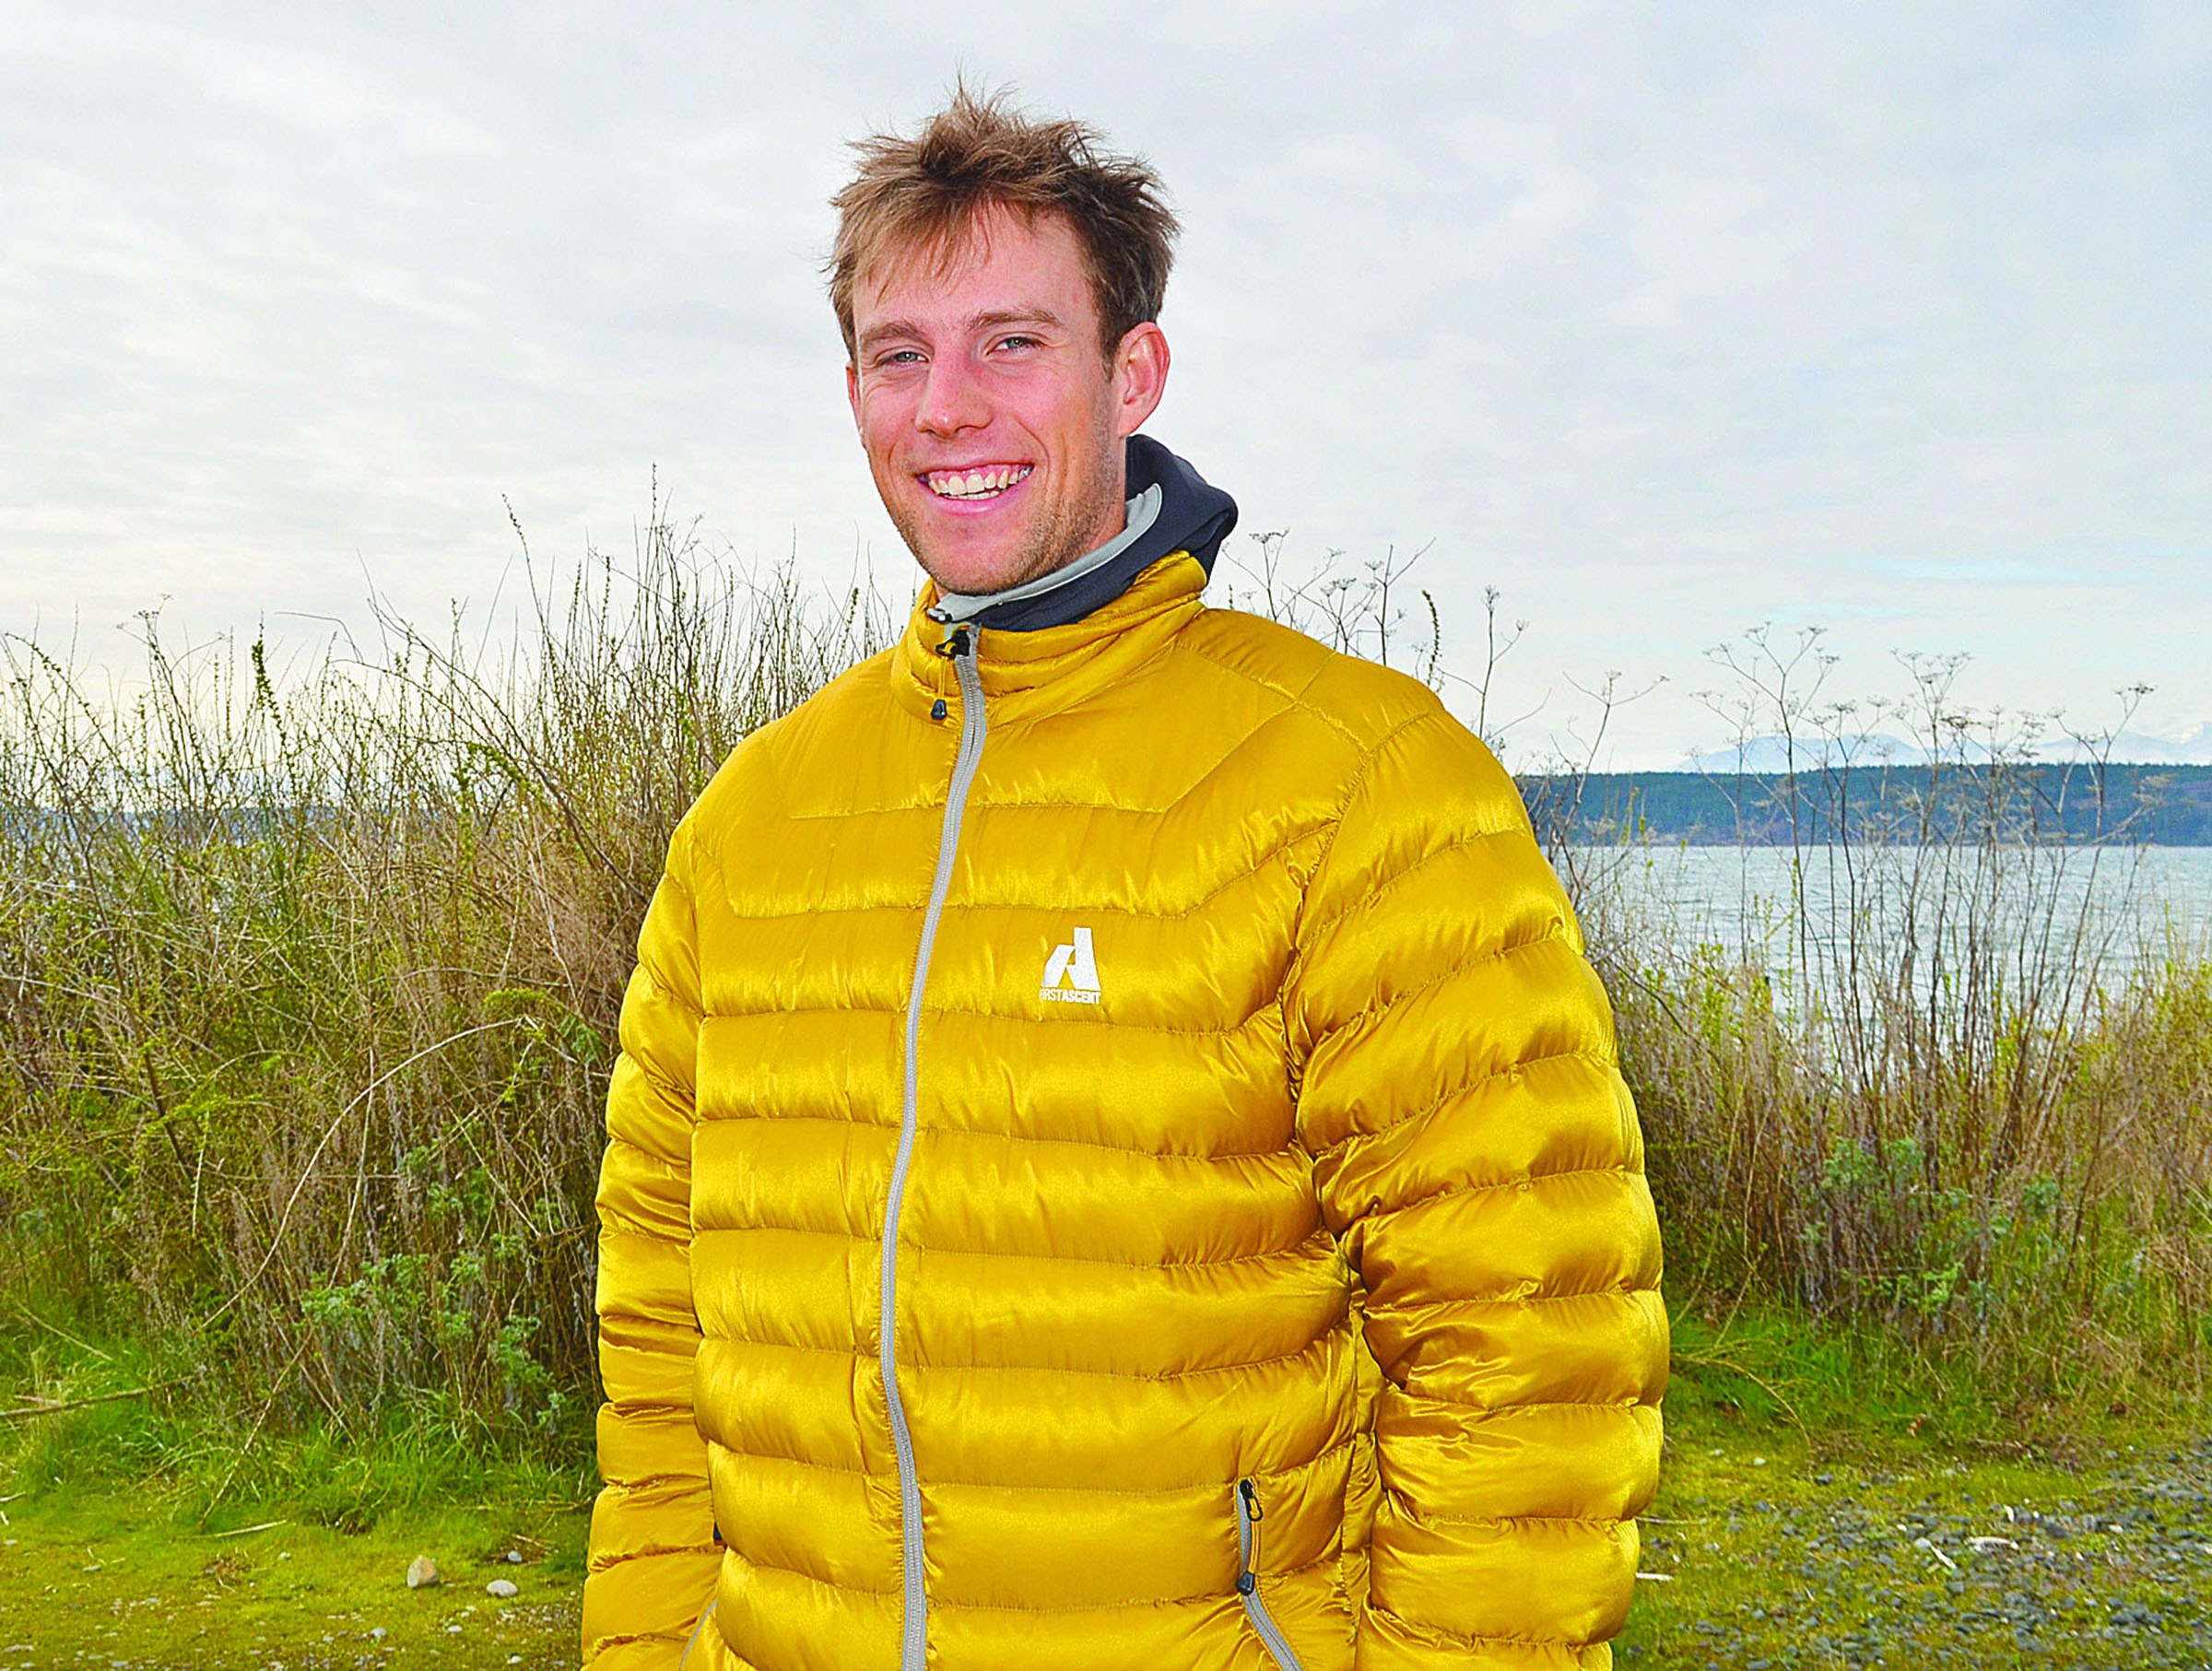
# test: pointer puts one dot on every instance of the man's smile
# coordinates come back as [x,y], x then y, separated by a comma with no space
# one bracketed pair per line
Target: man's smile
[976,482]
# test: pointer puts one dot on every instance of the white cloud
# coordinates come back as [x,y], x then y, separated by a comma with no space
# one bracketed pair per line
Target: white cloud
[1663,319]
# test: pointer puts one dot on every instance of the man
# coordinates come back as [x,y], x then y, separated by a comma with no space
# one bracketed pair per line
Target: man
[1117,1162]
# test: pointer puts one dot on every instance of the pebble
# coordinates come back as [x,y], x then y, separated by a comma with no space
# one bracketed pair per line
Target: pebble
[422,1571]
[501,1588]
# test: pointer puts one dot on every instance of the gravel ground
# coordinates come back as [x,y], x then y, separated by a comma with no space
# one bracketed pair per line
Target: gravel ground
[1761,1565]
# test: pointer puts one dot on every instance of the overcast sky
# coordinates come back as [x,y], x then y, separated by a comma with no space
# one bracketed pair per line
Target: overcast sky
[1663,319]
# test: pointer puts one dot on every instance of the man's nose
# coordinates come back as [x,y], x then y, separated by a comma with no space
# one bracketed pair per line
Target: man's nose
[953,398]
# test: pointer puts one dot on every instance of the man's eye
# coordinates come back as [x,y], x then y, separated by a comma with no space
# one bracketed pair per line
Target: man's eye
[1018,342]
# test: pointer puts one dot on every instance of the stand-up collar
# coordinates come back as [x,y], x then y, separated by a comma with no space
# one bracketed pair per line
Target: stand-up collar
[1029,671]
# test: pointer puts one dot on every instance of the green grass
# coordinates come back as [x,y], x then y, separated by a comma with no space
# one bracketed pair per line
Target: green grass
[127,1578]
[107,1570]
[88,1416]
[151,1531]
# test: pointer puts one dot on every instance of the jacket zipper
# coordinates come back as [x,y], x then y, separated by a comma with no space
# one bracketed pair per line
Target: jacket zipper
[959,647]
[1248,1577]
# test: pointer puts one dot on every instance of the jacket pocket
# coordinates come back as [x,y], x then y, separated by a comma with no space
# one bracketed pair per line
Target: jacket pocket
[695,1630]
[1248,1578]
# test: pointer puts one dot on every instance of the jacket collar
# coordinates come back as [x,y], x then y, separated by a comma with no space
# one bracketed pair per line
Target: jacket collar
[1027,673]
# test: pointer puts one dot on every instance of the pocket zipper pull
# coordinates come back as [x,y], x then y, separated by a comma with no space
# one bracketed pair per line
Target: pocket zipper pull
[1248,1539]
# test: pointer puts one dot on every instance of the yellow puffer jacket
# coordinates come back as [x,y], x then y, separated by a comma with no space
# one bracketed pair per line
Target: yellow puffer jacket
[1273,1280]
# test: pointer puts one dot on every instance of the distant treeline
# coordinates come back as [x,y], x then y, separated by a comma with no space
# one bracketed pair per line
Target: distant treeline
[2164,806]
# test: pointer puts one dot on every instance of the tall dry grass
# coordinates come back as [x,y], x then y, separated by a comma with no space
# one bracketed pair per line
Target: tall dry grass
[309,979]
[309,984]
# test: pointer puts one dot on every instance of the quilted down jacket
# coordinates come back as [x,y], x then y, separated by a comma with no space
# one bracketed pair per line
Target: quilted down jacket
[1118,1163]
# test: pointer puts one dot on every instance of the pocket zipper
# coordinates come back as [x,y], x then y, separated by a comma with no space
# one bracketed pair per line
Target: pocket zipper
[1248,1577]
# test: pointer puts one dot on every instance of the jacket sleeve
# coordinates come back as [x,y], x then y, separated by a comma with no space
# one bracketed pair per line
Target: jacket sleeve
[1478,1156]
[652,1555]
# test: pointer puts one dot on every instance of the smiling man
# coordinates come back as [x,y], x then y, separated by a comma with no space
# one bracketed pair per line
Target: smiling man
[991,403]
[1117,1160]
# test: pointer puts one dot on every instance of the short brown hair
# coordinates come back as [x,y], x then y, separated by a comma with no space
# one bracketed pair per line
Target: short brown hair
[930,189]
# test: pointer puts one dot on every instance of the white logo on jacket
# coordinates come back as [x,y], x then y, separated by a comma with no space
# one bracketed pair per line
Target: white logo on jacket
[1071,973]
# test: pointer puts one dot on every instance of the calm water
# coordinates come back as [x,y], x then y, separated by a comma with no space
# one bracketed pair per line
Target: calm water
[2123,907]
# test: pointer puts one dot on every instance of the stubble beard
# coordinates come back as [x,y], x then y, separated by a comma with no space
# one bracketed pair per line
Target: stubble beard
[1057,541]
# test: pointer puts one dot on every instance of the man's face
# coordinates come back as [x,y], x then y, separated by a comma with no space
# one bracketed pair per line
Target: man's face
[992,424]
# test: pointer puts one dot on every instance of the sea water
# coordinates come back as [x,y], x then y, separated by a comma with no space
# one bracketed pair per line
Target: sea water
[2109,912]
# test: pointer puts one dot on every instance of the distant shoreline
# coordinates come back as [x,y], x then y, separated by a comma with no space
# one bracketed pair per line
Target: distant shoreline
[2156,805]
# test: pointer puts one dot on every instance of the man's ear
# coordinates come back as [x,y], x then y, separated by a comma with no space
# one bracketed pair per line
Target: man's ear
[1140,377]
[852,391]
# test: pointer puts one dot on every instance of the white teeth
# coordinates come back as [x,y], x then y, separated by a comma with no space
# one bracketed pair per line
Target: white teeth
[975,484]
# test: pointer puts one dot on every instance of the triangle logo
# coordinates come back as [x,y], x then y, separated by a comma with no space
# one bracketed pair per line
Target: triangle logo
[1071,973]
